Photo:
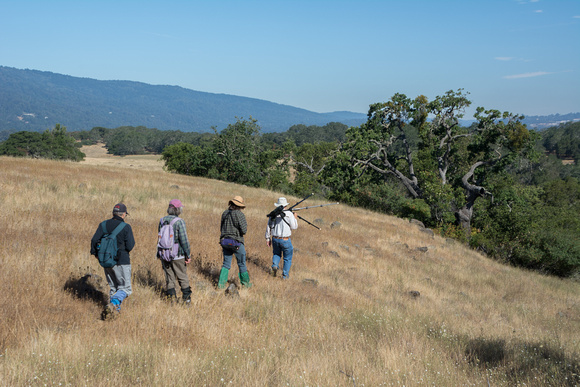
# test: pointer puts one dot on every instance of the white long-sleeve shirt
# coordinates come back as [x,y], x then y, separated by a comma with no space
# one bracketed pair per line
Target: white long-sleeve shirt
[282,227]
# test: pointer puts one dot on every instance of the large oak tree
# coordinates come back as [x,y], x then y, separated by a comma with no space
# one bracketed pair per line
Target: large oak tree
[448,160]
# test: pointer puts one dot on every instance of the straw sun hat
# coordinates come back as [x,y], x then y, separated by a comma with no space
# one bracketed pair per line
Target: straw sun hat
[238,201]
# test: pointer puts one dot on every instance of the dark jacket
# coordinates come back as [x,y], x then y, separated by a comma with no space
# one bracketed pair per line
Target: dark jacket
[125,240]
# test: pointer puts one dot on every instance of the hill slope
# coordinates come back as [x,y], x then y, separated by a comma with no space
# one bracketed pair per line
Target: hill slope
[36,100]
[376,301]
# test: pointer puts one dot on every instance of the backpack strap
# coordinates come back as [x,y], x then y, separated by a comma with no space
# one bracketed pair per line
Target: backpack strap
[225,217]
[172,222]
[118,229]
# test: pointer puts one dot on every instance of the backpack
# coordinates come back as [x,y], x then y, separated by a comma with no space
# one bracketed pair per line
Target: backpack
[107,247]
[167,249]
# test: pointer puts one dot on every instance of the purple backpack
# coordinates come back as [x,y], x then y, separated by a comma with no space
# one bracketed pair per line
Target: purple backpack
[167,249]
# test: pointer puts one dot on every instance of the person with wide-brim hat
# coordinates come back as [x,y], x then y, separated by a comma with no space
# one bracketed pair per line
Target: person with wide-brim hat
[233,227]
[278,232]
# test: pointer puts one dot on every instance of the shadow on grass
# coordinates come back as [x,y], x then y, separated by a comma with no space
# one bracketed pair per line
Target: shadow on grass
[206,268]
[90,287]
[489,353]
[145,277]
[524,361]
[255,260]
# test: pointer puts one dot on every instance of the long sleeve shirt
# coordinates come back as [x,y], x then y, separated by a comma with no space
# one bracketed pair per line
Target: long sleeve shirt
[233,225]
[179,236]
[281,227]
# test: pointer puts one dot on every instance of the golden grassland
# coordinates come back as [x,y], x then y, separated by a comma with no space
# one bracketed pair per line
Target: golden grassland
[97,155]
[348,316]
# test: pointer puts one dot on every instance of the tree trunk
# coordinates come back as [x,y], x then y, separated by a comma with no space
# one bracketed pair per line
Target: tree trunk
[464,214]
[473,192]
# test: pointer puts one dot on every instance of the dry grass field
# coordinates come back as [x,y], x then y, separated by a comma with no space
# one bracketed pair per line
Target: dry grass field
[97,155]
[374,301]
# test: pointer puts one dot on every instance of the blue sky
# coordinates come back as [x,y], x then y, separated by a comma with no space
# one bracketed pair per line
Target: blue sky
[522,56]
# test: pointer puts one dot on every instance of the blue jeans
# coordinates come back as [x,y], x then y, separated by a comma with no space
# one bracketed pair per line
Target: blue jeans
[281,249]
[240,257]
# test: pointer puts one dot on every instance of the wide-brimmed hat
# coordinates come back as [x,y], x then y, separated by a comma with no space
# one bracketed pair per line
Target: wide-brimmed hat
[281,202]
[238,201]
[176,203]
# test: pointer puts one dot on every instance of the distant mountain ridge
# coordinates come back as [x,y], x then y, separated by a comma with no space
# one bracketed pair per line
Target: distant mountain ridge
[540,123]
[36,100]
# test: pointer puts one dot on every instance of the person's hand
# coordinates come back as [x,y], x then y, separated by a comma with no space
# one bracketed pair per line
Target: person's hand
[268,242]
[187,260]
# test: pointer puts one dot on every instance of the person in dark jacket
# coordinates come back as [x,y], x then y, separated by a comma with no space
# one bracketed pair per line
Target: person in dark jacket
[234,226]
[118,276]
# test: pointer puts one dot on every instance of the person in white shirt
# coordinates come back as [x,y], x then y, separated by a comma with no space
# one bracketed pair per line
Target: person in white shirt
[278,235]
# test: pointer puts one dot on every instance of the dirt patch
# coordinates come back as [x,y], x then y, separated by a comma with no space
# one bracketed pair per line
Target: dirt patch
[97,155]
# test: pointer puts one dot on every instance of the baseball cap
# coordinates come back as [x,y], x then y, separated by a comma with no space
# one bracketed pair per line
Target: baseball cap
[176,203]
[120,207]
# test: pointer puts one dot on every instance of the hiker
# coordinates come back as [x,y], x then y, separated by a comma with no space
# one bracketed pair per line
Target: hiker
[278,235]
[175,261]
[233,228]
[119,275]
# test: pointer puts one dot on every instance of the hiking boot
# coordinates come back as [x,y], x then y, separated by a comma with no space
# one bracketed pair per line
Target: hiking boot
[171,295]
[186,298]
[273,271]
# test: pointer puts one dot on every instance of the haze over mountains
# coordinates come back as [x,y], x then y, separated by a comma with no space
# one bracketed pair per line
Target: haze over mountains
[35,100]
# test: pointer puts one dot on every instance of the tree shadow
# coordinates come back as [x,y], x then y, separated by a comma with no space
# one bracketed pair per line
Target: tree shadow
[523,360]
[485,352]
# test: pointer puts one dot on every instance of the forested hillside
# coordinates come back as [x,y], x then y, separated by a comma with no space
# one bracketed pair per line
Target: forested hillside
[563,141]
[37,100]
[34,100]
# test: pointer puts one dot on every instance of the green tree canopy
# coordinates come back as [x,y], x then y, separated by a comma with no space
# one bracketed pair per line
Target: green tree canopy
[446,165]
[52,144]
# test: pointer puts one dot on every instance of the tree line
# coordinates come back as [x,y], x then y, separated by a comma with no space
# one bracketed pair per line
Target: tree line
[495,184]
[490,184]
